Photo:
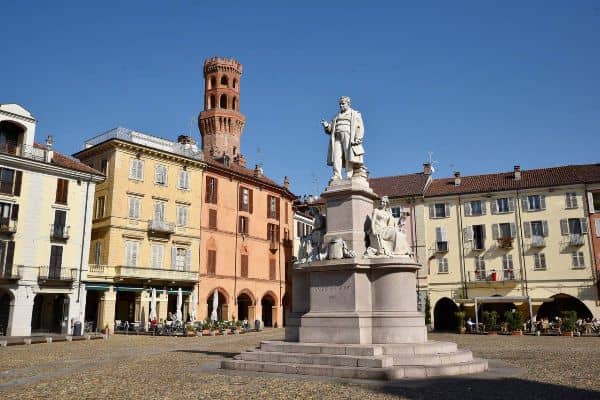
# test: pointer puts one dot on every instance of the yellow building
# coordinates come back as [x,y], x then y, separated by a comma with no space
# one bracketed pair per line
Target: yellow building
[146,226]
[520,236]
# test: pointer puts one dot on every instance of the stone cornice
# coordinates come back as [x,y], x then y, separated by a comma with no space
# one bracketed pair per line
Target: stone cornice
[28,164]
[17,116]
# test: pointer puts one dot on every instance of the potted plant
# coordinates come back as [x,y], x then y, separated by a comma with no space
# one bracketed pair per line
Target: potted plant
[428,314]
[568,323]
[106,330]
[460,321]
[490,321]
[238,326]
[514,320]
[199,327]
[190,330]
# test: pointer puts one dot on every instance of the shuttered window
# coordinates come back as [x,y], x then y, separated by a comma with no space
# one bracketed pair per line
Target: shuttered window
[211,262]
[7,251]
[182,215]
[212,219]
[183,181]
[160,175]
[243,225]
[132,250]
[62,191]
[539,261]
[100,202]
[442,265]
[272,207]
[158,253]
[245,200]
[134,207]
[136,169]
[244,264]
[7,180]
[570,200]
[578,260]
[272,269]
[212,190]
[55,262]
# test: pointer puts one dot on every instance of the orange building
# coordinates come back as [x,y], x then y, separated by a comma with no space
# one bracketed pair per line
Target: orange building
[246,221]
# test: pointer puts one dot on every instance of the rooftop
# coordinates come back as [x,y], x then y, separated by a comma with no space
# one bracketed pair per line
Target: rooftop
[400,185]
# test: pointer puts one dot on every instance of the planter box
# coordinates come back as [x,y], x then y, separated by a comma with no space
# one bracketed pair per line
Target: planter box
[566,334]
[517,333]
[492,333]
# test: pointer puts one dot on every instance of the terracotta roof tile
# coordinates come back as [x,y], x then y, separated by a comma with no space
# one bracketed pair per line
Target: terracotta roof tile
[400,185]
[68,162]
[542,177]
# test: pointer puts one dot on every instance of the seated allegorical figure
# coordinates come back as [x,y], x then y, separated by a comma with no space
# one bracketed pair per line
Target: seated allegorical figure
[386,236]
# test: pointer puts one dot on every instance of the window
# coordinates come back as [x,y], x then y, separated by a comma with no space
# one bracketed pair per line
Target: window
[212,219]
[535,229]
[570,200]
[8,212]
[136,169]
[211,190]
[100,206]
[223,101]
[62,191]
[397,212]
[211,262]
[539,261]
[595,201]
[597,223]
[98,253]
[573,226]
[299,229]
[504,231]
[480,274]
[132,251]
[59,229]
[244,269]
[442,265]
[158,253]
[103,166]
[272,207]
[475,207]
[503,205]
[478,237]
[182,215]
[507,267]
[534,202]
[577,259]
[441,239]
[243,225]
[272,233]
[224,81]
[272,269]
[7,252]
[10,181]
[245,200]
[183,181]
[181,258]
[439,210]
[159,211]
[160,175]
[55,262]
[134,206]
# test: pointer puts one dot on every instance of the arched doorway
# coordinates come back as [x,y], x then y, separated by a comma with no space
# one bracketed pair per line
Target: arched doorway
[443,315]
[49,313]
[267,303]
[243,302]
[5,300]
[9,136]
[222,302]
[92,302]
[563,302]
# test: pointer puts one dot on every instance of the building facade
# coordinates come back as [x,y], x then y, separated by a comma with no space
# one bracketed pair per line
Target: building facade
[45,221]
[146,226]
[247,219]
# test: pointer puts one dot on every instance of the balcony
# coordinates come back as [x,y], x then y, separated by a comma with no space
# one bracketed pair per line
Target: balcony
[505,242]
[122,272]
[273,245]
[162,227]
[7,226]
[501,277]
[59,232]
[576,240]
[538,241]
[56,275]
[441,247]
[9,274]
[34,153]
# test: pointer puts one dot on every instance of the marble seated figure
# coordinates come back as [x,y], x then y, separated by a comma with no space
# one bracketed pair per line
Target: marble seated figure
[386,236]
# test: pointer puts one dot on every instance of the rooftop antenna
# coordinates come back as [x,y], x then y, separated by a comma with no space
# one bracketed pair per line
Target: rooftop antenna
[259,154]
[431,161]
[315,182]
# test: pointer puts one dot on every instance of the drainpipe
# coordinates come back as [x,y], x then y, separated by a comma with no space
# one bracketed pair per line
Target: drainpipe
[235,251]
[463,273]
[85,212]
[279,251]
[520,240]
[590,240]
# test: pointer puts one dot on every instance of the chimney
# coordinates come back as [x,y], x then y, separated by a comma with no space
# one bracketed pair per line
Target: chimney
[258,171]
[427,169]
[240,160]
[49,151]
[286,182]
[457,178]
[517,172]
[184,139]
[310,199]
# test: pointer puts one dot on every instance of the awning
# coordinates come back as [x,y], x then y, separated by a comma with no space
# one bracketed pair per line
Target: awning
[97,287]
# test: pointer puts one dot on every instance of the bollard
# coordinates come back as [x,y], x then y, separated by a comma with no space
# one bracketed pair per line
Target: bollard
[27,341]
[48,340]
[3,343]
[69,338]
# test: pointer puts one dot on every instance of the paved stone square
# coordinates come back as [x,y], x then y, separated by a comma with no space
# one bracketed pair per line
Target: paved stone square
[185,368]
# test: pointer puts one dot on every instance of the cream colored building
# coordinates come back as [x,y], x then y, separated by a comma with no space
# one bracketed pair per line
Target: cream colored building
[522,236]
[146,226]
[45,222]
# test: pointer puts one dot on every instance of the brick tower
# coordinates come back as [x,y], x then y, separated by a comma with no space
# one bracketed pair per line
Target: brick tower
[221,122]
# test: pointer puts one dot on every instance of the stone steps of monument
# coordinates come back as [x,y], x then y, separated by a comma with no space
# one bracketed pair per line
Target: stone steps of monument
[336,360]
[429,347]
[395,372]
[459,356]
[406,349]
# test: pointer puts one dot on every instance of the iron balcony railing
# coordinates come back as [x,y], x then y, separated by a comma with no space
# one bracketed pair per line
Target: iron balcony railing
[60,232]
[441,247]
[51,273]
[505,242]
[576,240]
[9,272]
[166,273]
[7,225]
[161,226]
[34,153]
[500,275]
[538,241]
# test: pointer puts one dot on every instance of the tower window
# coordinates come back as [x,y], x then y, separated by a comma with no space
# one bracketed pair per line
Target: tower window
[234,83]
[223,101]
[234,103]
[213,83]
[224,81]
[211,102]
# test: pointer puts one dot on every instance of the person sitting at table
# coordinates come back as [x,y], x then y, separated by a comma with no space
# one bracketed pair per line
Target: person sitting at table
[470,324]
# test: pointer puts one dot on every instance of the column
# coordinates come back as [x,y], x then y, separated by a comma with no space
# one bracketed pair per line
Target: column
[106,310]
[162,303]
[21,308]
[142,308]
[225,312]
[277,317]
[251,315]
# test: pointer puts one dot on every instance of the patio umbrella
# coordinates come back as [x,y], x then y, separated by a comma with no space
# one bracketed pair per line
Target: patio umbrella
[213,315]
[153,316]
[179,313]
[193,311]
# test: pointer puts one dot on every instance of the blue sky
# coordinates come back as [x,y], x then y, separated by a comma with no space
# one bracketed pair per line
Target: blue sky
[482,85]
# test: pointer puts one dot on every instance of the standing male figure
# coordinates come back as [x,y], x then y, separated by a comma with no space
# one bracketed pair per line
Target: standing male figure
[346,132]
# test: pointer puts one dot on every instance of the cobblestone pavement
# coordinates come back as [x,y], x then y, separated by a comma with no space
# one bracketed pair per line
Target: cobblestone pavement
[185,368]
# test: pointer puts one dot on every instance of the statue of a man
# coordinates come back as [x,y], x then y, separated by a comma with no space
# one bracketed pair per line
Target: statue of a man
[345,145]
[386,236]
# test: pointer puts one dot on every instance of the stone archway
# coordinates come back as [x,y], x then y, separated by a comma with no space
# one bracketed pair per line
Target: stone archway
[443,315]
[267,303]
[221,307]
[563,302]
[49,313]
[5,305]
[244,302]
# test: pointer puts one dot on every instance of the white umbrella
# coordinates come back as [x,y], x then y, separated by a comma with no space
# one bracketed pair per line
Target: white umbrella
[153,315]
[194,301]
[179,313]
[213,315]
